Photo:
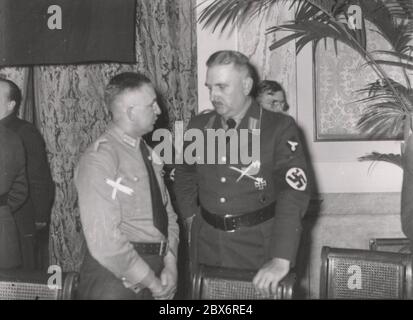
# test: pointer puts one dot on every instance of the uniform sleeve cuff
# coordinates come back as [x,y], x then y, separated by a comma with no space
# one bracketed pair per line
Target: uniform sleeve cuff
[173,246]
[142,275]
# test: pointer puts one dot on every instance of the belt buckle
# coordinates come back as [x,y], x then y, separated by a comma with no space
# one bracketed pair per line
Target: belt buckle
[163,248]
[226,226]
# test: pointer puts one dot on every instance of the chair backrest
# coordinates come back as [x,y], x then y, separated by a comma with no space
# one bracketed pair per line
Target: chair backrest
[401,245]
[33,285]
[365,274]
[216,283]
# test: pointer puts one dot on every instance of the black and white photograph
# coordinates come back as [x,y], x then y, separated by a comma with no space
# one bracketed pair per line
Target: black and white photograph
[217,150]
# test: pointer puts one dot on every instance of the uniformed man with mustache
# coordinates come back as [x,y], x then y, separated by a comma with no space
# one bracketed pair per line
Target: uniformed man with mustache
[245,216]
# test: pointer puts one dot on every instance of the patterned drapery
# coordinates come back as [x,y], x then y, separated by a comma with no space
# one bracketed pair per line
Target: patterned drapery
[70,112]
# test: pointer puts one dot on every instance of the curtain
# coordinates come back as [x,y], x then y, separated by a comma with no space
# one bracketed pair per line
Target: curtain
[70,112]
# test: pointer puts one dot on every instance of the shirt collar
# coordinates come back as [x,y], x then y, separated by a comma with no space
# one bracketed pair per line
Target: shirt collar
[238,118]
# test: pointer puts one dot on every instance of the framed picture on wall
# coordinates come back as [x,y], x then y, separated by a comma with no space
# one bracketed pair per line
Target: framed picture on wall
[337,79]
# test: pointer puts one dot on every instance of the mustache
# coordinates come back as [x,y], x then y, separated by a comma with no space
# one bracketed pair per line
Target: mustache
[217,102]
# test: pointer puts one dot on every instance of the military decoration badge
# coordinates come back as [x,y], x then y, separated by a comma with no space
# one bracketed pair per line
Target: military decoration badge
[293,145]
[250,172]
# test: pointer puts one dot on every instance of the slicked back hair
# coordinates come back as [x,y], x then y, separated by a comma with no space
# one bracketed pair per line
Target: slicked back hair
[239,60]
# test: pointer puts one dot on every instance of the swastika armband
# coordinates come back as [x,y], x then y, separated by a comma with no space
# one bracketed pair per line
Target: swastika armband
[296,179]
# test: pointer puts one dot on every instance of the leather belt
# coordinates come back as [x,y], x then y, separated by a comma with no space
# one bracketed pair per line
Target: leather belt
[152,248]
[231,222]
[3,199]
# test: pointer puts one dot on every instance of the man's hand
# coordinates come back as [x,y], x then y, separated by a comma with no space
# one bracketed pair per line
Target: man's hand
[267,278]
[169,277]
[156,287]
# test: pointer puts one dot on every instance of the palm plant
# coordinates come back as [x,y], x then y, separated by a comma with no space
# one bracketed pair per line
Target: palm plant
[389,104]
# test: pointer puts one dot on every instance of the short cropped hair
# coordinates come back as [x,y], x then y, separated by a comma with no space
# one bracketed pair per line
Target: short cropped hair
[271,87]
[123,82]
[15,93]
[239,60]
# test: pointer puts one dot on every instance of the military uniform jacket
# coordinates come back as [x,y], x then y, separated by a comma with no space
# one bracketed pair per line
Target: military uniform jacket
[14,191]
[38,206]
[281,176]
[115,204]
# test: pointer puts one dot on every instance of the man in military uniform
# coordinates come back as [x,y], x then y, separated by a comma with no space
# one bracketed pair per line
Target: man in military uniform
[127,218]
[13,194]
[34,216]
[245,216]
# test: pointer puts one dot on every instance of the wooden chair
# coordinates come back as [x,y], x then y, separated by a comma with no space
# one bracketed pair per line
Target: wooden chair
[401,245]
[33,285]
[216,283]
[365,274]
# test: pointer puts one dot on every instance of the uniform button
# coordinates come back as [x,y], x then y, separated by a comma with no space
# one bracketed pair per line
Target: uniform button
[223,179]
[224,159]
[222,200]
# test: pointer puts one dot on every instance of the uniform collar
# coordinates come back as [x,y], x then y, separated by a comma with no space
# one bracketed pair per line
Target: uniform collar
[251,119]
[124,137]
[7,119]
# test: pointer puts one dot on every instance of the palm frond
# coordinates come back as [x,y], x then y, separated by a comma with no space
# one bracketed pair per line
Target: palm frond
[224,12]
[400,8]
[313,30]
[398,55]
[405,65]
[392,29]
[380,91]
[395,159]
[383,114]
[382,120]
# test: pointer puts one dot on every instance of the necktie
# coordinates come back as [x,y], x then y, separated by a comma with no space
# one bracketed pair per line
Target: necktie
[160,216]
[230,125]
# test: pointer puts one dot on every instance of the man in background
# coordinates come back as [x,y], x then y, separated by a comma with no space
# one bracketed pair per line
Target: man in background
[271,96]
[13,193]
[34,216]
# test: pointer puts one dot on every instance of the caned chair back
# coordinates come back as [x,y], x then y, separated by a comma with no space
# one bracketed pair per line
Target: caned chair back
[37,285]
[216,283]
[365,274]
